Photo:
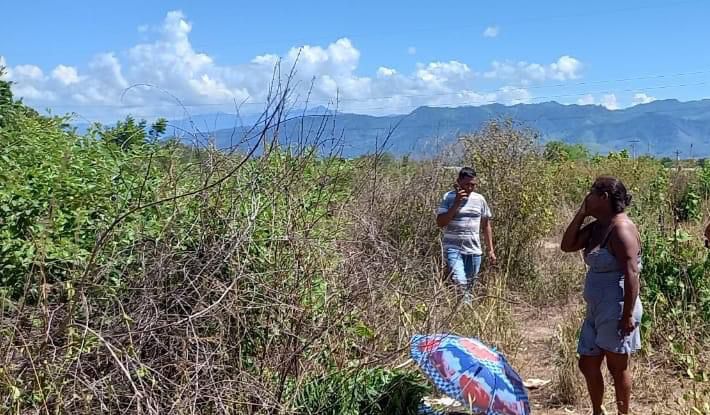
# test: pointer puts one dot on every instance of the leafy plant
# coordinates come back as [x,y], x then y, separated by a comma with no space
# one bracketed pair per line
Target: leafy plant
[362,392]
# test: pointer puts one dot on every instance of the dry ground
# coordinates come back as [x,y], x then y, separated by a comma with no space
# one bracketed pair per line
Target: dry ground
[657,390]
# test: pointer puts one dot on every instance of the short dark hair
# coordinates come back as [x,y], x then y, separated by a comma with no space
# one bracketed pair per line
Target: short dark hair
[619,198]
[467,172]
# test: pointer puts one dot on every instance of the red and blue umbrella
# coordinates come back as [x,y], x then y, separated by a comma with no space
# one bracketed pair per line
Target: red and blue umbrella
[465,369]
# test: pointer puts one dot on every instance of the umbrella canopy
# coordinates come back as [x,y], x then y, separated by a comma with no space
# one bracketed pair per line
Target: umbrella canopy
[472,373]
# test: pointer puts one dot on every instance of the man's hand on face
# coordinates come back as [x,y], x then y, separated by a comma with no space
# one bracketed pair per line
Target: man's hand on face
[460,196]
[464,187]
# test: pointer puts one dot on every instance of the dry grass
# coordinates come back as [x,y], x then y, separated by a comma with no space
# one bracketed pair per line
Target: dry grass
[405,256]
[569,385]
[275,288]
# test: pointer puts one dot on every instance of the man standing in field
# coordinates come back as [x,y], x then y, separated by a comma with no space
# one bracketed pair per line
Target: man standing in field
[462,214]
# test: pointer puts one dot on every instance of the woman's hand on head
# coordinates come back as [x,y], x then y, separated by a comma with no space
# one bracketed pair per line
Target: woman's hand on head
[583,208]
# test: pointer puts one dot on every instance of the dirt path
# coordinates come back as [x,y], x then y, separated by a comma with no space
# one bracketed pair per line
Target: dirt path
[657,389]
[539,358]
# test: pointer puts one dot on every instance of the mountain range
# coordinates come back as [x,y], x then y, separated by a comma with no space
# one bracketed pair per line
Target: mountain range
[660,127]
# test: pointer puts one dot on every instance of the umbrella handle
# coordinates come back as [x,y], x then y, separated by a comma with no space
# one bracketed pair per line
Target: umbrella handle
[405,364]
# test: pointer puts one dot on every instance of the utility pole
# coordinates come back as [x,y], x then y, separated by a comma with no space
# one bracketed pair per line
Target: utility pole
[633,147]
[677,159]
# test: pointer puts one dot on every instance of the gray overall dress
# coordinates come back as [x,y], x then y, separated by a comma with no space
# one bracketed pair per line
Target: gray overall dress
[604,295]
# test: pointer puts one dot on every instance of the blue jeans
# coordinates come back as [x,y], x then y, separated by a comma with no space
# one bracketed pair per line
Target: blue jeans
[463,268]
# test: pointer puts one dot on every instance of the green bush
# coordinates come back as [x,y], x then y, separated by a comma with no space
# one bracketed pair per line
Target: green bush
[362,392]
[676,281]
[518,184]
[61,191]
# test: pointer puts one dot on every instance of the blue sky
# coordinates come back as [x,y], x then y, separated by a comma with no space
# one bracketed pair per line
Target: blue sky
[377,57]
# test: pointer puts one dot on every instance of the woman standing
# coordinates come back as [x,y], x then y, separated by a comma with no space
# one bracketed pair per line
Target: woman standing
[612,251]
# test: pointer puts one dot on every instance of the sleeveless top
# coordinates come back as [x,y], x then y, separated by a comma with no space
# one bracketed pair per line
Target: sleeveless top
[605,276]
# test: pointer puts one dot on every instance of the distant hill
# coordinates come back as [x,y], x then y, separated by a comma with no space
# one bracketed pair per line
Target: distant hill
[662,126]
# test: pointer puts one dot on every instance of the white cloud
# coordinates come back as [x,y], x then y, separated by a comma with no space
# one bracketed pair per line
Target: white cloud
[30,92]
[383,72]
[610,102]
[642,98]
[65,74]
[28,72]
[268,59]
[491,31]
[586,100]
[565,68]
[514,95]
[106,88]
[27,82]
[411,50]
[340,57]
[440,74]
[106,70]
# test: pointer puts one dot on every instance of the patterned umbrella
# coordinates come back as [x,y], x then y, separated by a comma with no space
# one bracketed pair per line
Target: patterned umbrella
[466,370]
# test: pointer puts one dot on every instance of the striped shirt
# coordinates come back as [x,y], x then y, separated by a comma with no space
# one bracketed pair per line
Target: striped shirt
[463,231]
